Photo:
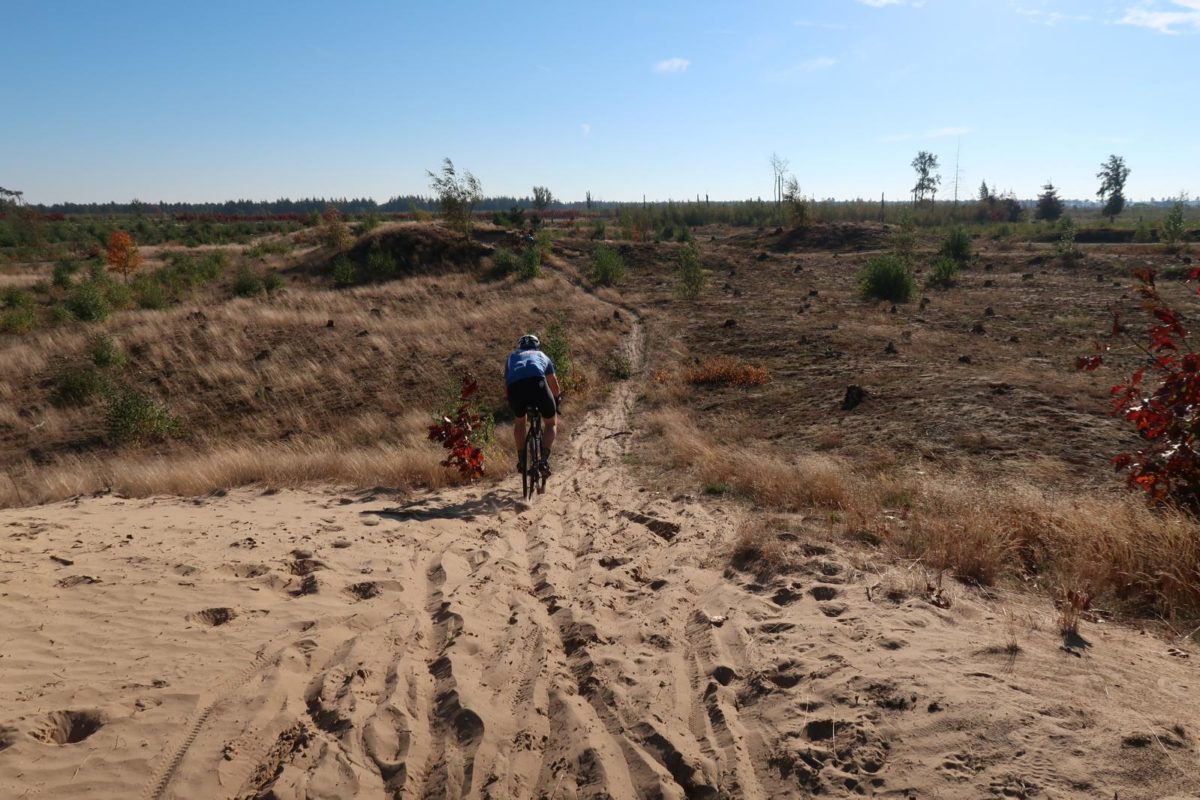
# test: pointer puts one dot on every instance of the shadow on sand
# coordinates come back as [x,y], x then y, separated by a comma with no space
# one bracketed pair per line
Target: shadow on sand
[426,509]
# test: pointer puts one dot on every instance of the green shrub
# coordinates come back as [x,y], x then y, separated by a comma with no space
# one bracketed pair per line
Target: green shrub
[506,261]
[272,281]
[119,294]
[1065,245]
[76,384]
[556,345]
[691,273]
[88,302]
[957,245]
[599,229]
[104,352]
[944,272]
[344,272]
[545,243]
[246,283]
[904,238]
[1173,229]
[270,247]
[133,417]
[16,298]
[17,320]
[370,222]
[608,269]
[530,264]
[63,272]
[149,293]
[60,313]
[381,265]
[1142,233]
[887,278]
[618,367]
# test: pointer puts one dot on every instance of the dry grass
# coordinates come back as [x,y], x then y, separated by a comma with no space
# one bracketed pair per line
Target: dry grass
[1107,544]
[811,479]
[726,371]
[759,549]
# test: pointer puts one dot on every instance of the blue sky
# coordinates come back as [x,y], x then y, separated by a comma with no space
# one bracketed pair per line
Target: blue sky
[220,100]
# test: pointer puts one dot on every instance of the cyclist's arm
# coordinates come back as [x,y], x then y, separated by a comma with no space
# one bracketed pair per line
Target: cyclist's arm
[552,382]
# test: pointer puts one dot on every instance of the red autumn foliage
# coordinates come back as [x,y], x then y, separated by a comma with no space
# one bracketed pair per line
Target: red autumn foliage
[123,255]
[1162,401]
[455,433]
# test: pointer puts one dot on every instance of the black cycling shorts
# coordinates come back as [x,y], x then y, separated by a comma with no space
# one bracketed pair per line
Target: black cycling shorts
[531,392]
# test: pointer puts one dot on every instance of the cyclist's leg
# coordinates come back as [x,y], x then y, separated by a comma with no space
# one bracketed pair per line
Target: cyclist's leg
[518,402]
[519,439]
[549,419]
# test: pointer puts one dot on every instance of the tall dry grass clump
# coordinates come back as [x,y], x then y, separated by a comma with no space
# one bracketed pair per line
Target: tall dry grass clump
[1103,545]
[809,480]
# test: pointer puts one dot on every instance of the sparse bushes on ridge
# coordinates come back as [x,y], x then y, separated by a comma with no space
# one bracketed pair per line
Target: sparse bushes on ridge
[887,278]
[608,268]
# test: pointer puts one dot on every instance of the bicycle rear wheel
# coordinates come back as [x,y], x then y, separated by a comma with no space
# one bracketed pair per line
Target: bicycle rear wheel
[533,450]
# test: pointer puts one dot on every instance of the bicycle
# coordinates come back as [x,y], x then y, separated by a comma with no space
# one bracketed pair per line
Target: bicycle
[533,478]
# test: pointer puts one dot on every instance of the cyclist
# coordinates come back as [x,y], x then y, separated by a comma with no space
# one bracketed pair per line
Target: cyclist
[529,380]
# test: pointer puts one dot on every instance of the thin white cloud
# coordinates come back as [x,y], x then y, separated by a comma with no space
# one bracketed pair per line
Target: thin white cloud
[586,127]
[1049,18]
[1176,16]
[671,65]
[885,3]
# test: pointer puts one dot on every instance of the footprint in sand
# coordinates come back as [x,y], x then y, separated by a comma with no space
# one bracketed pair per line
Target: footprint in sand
[213,617]
[69,727]
[823,593]
[365,590]
[77,580]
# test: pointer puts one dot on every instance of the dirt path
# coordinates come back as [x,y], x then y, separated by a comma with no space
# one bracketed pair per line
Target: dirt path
[594,644]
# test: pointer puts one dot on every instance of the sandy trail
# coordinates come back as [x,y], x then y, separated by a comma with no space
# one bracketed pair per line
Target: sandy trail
[593,644]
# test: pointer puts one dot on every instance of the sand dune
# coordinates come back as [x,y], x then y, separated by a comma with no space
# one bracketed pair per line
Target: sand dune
[593,644]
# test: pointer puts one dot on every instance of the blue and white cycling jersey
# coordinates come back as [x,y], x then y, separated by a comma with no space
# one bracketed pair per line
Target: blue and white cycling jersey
[527,364]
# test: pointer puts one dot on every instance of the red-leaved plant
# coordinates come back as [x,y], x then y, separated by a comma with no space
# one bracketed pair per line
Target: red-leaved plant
[455,433]
[1162,400]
